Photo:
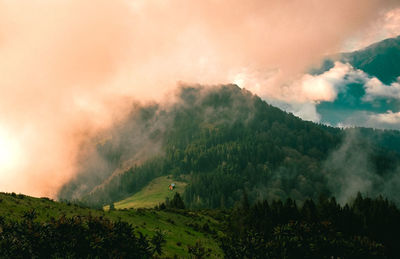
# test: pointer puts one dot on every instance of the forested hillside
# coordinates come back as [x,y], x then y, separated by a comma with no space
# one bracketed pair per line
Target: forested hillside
[365,228]
[223,140]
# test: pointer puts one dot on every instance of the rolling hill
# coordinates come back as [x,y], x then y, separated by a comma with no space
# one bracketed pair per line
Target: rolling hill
[179,228]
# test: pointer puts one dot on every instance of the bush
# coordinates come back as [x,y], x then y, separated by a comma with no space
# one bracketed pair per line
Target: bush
[76,237]
[198,251]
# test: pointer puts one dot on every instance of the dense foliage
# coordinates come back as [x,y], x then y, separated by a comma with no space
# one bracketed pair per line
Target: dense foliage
[168,231]
[364,228]
[368,228]
[76,237]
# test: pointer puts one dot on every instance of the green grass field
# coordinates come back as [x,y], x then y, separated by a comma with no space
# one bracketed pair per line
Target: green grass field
[151,195]
[181,228]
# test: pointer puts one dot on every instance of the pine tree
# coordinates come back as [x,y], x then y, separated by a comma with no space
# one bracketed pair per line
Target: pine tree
[177,202]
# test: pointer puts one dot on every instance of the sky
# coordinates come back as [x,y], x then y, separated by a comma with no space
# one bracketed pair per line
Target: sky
[71,68]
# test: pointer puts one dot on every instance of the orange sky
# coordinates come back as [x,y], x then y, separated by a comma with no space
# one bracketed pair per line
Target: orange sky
[69,68]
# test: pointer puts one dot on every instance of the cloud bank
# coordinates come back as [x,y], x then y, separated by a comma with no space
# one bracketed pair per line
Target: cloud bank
[71,68]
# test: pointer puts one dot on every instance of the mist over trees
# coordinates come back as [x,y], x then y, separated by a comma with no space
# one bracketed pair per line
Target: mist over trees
[223,140]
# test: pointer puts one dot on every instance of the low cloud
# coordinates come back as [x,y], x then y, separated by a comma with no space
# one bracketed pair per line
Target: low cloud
[376,89]
[350,169]
[326,86]
[308,92]
[305,94]
[388,120]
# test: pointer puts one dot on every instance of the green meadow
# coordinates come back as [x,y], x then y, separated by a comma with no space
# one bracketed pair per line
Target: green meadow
[152,194]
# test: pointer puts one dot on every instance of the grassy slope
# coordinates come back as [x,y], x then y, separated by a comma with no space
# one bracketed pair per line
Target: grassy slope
[152,194]
[175,225]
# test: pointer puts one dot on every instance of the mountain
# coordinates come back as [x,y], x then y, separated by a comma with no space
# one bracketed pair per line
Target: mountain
[223,140]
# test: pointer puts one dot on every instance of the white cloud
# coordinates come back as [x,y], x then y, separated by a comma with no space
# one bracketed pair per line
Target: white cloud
[304,94]
[324,87]
[305,110]
[375,88]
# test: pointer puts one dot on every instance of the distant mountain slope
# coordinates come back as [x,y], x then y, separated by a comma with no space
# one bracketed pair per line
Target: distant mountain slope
[381,59]
[229,140]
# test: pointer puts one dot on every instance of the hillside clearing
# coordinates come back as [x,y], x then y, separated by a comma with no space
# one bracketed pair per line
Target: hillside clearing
[152,194]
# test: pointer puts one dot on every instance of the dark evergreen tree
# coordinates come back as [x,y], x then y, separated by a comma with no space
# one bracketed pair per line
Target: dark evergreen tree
[176,202]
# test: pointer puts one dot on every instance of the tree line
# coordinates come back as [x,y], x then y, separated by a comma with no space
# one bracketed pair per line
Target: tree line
[75,237]
[366,228]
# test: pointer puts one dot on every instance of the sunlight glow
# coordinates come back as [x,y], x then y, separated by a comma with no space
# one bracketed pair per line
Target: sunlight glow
[9,151]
